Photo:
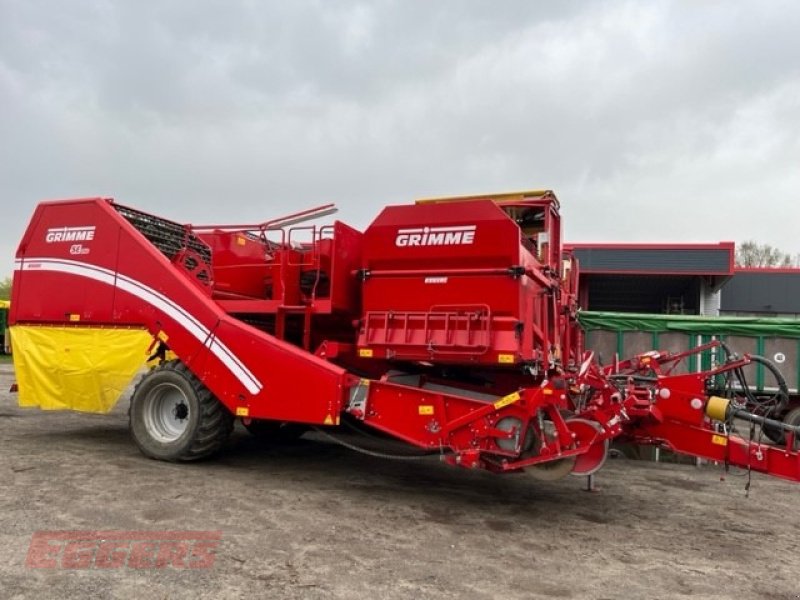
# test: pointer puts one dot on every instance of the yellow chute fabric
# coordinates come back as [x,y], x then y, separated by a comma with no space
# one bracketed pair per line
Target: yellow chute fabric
[76,368]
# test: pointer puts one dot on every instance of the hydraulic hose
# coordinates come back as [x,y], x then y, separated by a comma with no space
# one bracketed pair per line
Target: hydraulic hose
[722,409]
[782,397]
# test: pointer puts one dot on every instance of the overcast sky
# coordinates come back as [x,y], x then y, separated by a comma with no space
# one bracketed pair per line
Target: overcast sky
[652,121]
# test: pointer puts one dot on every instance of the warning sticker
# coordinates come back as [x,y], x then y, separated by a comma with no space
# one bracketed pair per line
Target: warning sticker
[506,400]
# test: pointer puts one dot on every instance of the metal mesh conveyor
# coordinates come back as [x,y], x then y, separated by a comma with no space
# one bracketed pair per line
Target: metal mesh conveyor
[169,237]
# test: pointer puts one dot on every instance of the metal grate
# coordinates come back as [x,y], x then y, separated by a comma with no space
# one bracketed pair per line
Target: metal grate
[169,237]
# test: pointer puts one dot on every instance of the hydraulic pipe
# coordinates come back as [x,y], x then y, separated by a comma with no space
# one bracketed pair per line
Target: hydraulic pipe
[720,409]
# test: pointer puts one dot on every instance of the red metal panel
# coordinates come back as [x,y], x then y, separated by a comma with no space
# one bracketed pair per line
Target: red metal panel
[239,261]
[122,279]
[70,231]
[345,260]
[440,236]
[420,259]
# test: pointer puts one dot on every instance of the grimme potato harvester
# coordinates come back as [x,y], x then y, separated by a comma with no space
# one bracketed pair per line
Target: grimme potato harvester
[449,324]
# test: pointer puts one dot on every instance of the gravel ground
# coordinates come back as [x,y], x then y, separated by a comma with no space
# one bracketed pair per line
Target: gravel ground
[314,520]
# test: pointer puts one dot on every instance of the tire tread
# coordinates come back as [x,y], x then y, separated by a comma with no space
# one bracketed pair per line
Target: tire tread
[214,427]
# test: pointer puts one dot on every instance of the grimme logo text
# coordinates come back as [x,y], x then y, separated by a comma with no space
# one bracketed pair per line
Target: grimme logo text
[436,236]
[70,234]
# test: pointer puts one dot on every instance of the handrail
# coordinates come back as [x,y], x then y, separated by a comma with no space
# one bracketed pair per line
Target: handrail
[290,219]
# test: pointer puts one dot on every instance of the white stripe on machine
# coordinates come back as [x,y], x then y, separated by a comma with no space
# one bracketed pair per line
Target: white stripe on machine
[155,299]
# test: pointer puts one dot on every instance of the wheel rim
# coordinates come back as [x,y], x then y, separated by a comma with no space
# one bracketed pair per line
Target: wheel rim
[166,412]
[552,470]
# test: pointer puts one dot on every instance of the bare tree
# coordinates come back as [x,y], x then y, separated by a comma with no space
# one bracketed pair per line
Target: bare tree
[753,254]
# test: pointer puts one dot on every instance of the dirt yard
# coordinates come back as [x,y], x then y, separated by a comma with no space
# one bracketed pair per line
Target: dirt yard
[315,520]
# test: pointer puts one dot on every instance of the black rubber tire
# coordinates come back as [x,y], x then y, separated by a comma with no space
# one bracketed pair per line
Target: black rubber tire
[774,435]
[793,418]
[778,436]
[275,431]
[209,422]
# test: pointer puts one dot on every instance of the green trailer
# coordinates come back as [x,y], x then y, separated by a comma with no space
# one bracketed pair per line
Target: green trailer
[624,335]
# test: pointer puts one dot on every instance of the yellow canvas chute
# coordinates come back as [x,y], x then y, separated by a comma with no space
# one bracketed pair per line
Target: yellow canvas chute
[76,368]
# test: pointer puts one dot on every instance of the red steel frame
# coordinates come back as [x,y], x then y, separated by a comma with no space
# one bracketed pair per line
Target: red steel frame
[470,300]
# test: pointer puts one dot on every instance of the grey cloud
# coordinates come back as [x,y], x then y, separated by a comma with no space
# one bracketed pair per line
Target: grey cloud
[659,121]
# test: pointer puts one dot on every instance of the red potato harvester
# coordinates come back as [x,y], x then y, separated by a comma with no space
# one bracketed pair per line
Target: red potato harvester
[449,324]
